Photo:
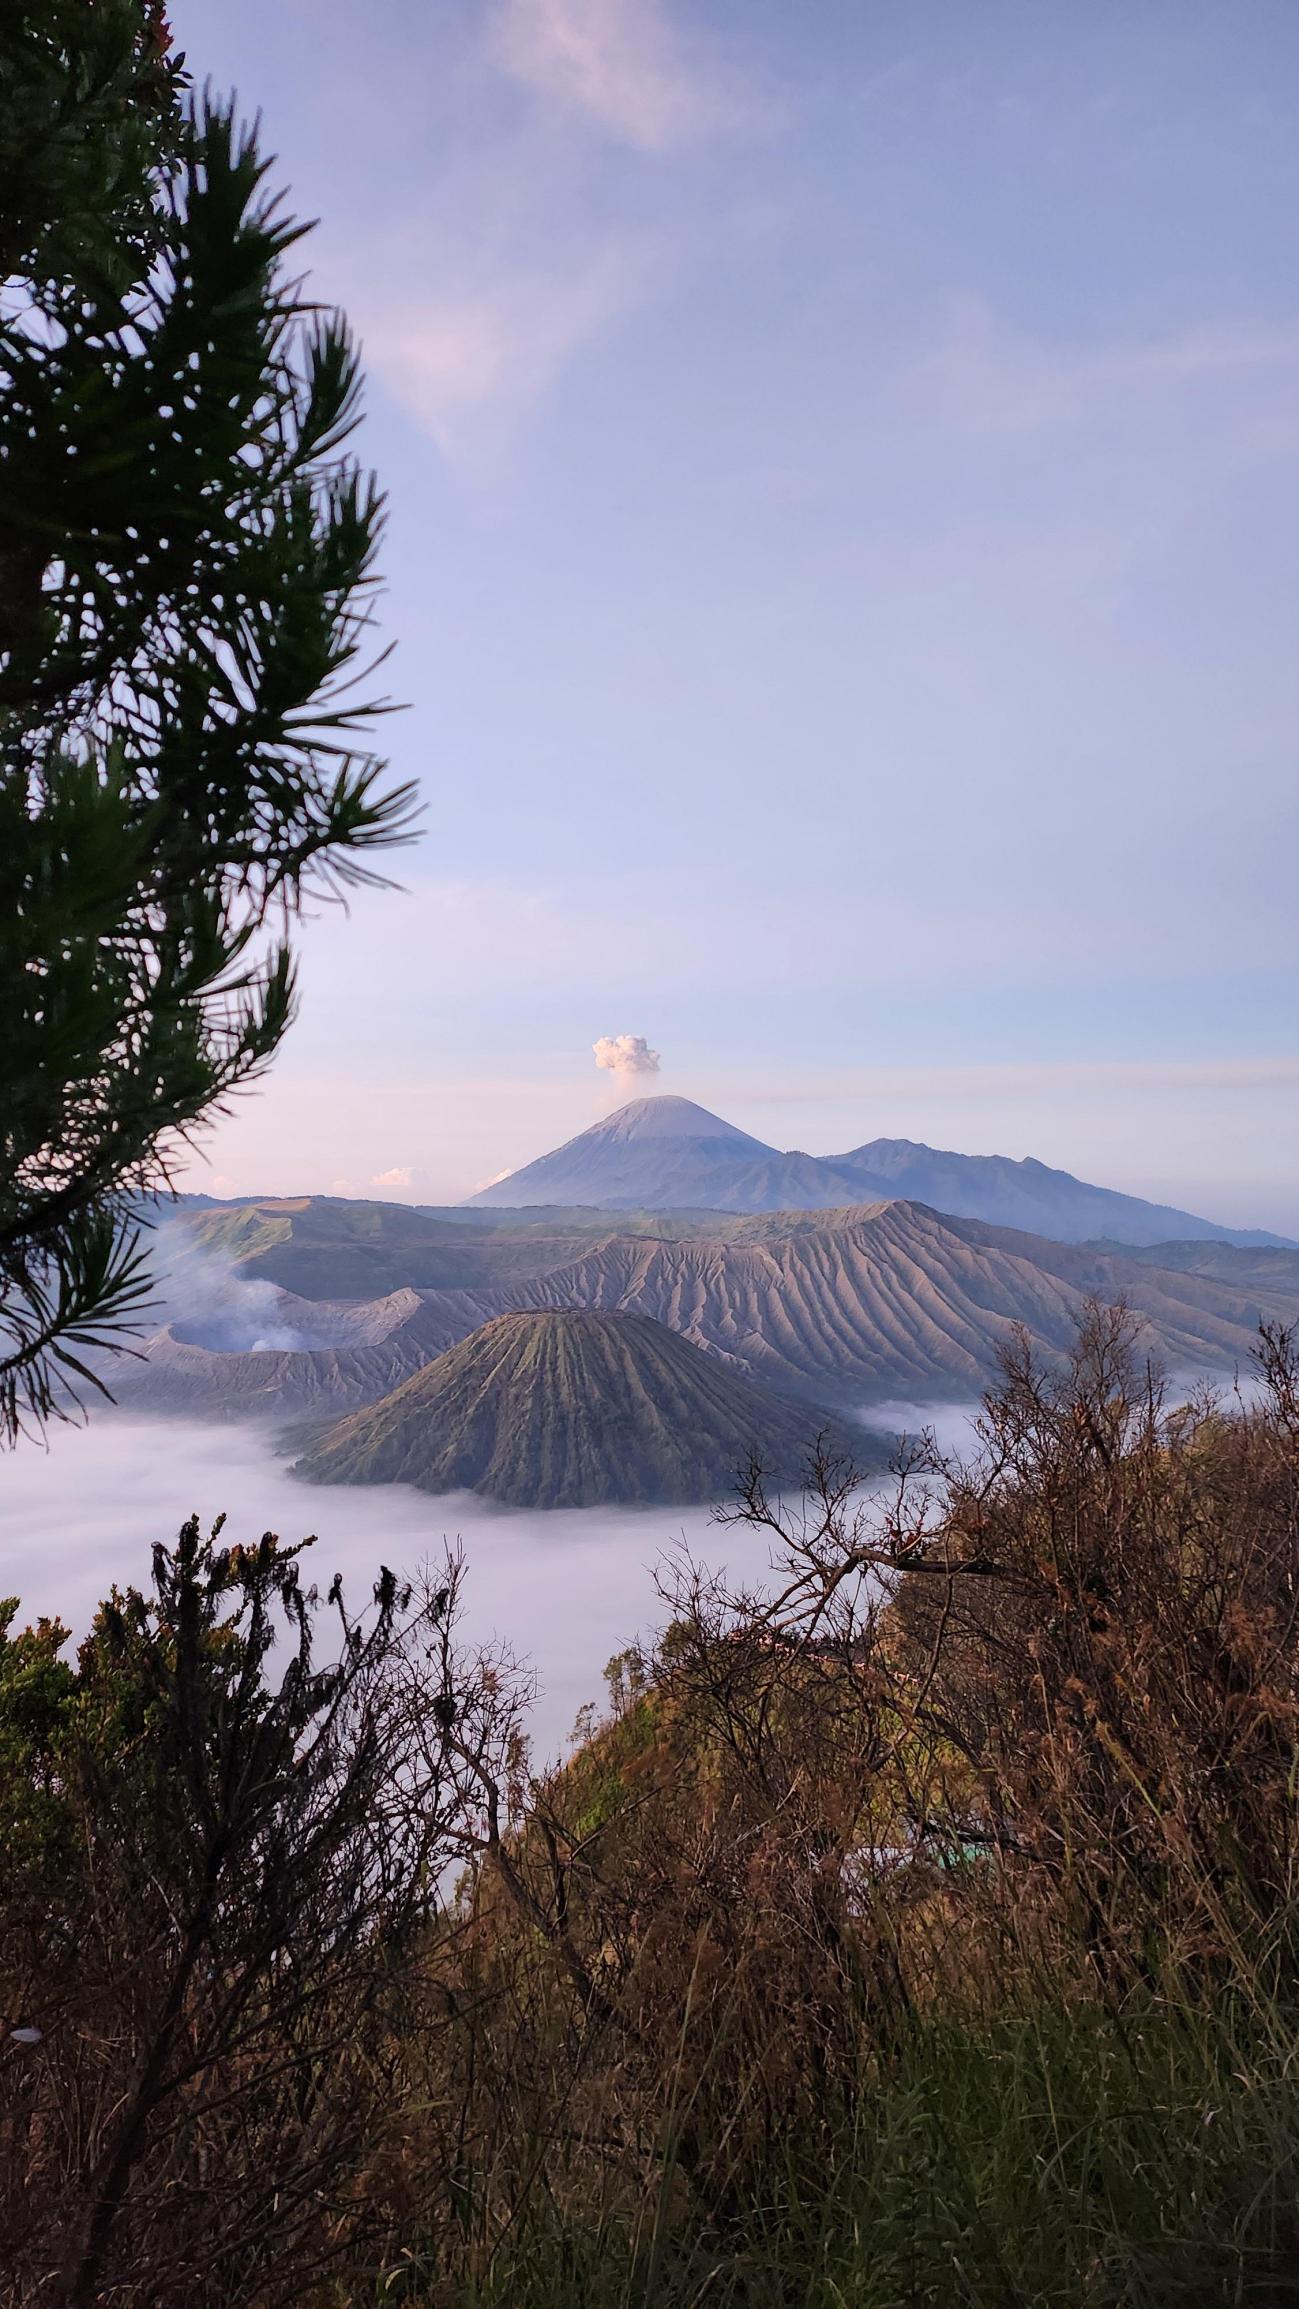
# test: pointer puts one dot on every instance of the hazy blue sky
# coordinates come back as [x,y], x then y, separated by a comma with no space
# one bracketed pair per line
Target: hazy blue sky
[844,477]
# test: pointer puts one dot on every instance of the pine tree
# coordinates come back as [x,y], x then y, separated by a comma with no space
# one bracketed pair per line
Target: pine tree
[186,561]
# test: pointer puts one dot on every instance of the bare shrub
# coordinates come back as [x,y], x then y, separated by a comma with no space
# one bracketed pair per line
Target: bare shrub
[223,1851]
[1019,1742]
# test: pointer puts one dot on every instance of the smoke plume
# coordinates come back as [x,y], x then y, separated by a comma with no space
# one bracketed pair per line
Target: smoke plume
[211,1304]
[626,1054]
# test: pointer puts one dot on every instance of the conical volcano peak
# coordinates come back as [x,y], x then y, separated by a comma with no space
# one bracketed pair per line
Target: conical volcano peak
[656,1154]
[667,1154]
[664,1116]
[571,1407]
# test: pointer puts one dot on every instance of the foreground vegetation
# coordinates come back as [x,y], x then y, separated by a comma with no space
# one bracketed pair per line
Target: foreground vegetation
[921,1929]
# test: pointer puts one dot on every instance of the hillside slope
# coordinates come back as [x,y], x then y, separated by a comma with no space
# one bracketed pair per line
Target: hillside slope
[572,1409]
[897,1300]
[370,1348]
[852,1306]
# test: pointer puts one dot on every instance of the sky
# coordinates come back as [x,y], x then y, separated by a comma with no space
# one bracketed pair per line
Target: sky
[843,475]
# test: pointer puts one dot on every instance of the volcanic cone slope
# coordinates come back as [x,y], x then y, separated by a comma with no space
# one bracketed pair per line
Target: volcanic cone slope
[575,1409]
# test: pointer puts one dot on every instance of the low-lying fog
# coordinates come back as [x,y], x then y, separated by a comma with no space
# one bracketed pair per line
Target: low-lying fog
[951,1424]
[565,1588]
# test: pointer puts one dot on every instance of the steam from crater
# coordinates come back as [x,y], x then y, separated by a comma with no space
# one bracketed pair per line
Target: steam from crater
[212,1305]
[626,1054]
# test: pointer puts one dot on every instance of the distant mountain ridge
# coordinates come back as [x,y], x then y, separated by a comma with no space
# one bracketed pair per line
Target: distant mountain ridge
[900,1301]
[848,1307]
[667,1153]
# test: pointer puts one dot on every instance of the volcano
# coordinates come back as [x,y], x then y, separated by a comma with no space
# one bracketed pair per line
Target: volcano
[576,1409]
[667,1154]
[661,1154]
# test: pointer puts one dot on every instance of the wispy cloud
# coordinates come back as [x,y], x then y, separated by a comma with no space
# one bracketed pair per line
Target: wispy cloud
[467,357]
[476,938]
[983,376]
[621,64]
[519,250]
[997,1079]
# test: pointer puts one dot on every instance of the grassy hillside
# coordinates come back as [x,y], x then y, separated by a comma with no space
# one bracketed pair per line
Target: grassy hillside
[940,1954]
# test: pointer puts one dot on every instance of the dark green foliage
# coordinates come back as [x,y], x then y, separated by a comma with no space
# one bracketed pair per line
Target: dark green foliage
[185,556]
[88,109]
[1076,2159]
[36,1688]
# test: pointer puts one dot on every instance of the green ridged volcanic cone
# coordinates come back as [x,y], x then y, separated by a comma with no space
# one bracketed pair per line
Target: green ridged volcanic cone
[574,1409]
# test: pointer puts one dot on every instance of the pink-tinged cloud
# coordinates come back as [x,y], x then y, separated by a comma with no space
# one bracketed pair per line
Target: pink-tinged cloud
[467,362]
[621,63]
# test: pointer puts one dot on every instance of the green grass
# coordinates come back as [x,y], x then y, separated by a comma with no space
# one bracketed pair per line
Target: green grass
[1079,2161]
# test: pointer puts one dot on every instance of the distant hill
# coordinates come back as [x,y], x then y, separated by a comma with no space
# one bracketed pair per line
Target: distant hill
[326,1247]
[1264,1267]
[573,1409]
[660,1153]
[1027,1195]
